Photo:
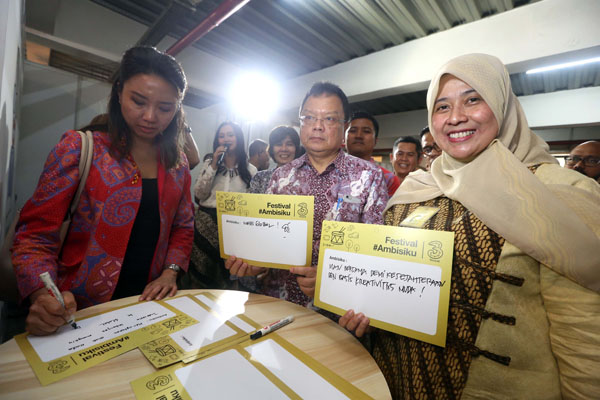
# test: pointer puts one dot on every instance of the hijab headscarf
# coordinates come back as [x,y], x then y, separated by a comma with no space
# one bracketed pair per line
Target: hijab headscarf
[498,187]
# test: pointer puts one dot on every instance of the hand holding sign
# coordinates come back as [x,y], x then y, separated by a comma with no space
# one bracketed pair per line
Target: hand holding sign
[239,267]
[307,278]
[357,323]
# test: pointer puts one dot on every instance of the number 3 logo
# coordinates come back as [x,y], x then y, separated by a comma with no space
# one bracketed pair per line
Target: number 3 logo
[435,252]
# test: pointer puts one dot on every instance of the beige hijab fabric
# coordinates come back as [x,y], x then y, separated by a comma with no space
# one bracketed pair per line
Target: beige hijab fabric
[498,187]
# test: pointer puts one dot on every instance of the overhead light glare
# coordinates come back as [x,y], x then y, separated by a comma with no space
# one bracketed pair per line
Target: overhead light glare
[255,96]
[564,65]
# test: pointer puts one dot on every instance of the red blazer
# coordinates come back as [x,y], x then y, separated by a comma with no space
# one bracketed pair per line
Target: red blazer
[93,251]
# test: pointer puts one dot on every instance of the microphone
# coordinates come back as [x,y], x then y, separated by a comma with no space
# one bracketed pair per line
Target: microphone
[222,156]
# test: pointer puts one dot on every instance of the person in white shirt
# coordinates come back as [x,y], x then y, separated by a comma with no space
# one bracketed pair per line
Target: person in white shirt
[227,170]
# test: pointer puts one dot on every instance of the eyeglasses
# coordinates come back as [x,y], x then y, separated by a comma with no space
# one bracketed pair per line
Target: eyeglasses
[310,120]
[589,161]
[429,149]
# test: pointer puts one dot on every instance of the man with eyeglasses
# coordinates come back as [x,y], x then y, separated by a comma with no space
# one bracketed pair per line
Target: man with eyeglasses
[585,158]
[361,138]
[431,150]
[345,188]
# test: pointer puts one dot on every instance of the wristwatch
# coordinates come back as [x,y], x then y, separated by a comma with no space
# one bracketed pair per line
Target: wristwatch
[174,267]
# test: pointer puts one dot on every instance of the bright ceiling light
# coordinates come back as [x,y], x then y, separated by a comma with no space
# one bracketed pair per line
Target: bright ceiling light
[254,96]
[565,65]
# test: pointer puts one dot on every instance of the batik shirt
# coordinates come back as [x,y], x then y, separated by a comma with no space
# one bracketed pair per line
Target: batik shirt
[90,260]
[349,189]
[260,181]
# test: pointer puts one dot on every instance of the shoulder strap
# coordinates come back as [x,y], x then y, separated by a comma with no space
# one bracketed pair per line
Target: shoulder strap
[85,163]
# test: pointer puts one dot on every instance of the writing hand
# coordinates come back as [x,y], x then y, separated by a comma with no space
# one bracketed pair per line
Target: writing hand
[238,267]
[307,279]
[357,323]
[164,285]
[46,314]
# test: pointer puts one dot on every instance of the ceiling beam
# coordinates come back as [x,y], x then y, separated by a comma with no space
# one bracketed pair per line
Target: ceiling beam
[537,34]
[171,17]
[226,9]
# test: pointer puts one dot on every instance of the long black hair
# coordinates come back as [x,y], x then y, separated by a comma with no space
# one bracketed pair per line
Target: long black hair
[146,60]
[240,150]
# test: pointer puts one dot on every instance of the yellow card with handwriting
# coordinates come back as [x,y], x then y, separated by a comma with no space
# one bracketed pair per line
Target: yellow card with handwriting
[99,338]
[398,277]
[266,230]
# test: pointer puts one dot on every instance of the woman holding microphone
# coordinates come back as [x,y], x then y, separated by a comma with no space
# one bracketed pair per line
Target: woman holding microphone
[227,170]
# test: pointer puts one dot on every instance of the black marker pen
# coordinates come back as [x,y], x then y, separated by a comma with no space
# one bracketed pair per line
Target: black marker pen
[272,327]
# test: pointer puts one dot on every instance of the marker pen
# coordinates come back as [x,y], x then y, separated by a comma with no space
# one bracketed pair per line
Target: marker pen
[272,327]
[53,290]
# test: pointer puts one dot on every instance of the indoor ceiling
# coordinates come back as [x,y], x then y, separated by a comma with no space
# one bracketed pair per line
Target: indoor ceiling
[290,38]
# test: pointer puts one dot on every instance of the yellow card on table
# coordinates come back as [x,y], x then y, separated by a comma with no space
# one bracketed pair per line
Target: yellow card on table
[99,338]
[266,230]
[398,277]
[215,330]
[267,368]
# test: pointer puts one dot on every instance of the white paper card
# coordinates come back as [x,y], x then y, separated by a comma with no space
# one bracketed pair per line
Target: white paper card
[208,330]
[402,296]
[266,240]
[230,305]
[227,375]
[98,329]
[293,372]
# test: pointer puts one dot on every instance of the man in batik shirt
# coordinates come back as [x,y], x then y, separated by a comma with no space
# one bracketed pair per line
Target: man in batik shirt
[345,188]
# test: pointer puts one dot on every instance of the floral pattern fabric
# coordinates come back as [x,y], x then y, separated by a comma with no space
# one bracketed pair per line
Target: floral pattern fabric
[349,190]
[90,260]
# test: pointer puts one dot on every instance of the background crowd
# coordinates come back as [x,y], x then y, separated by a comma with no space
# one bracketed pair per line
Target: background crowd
[524,302]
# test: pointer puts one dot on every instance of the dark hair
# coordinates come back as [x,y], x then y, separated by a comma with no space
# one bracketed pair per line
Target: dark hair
[321,88]
[257,146]
[240,150]
[363,114]
[278,135]
[424,131]
[147,60]
[409,139]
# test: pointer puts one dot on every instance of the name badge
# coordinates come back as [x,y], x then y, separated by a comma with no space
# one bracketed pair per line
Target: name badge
[419,217]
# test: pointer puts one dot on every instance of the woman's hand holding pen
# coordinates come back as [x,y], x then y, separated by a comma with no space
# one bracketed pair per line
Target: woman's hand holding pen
[164,285]
[46,314]
[238,267]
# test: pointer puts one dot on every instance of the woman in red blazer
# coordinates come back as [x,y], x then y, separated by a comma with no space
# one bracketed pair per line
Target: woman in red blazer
[133,228]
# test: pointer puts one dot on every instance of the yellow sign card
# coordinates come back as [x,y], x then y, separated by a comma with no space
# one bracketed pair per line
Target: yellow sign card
[267,368]
[216,330]
[99,338]
[266,230]
[398,277]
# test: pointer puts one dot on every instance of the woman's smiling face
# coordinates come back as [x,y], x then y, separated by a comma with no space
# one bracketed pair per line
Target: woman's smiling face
[284,152]
[463,124]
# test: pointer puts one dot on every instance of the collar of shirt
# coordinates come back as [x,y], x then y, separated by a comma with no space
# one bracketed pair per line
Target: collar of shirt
[338,163]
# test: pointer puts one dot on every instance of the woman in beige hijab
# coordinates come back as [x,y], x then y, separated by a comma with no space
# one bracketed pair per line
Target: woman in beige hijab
[524,316]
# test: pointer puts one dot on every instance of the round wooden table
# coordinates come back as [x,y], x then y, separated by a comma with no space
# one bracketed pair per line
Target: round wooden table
[311,332]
